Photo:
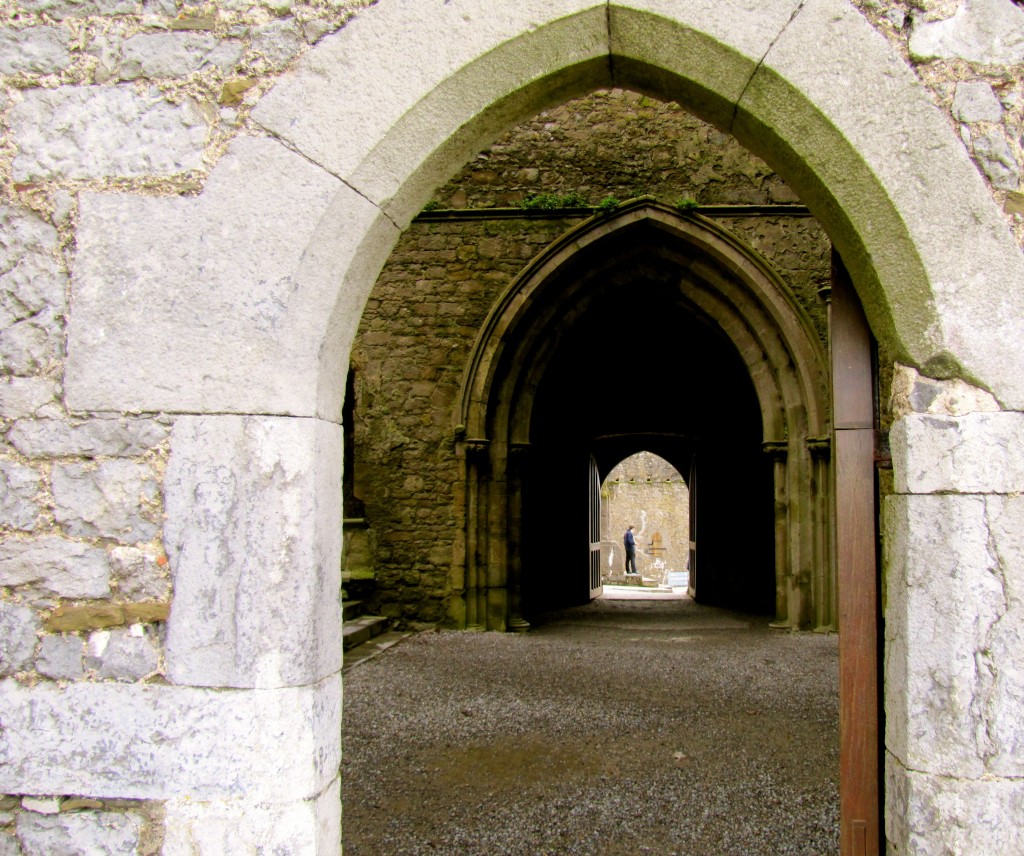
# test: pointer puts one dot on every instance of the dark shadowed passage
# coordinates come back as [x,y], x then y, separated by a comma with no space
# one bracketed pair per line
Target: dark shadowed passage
[619,727]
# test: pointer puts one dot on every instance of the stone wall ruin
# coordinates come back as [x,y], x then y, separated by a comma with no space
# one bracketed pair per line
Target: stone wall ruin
[197,198]
[456,260]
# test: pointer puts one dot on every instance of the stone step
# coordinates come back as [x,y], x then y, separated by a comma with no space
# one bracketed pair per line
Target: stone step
[368,650]
[351,609]
[358,585]
[362,629]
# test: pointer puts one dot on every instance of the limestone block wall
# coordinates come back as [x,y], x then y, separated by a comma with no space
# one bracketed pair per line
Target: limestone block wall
[952,539]
[126,97]
[123,110]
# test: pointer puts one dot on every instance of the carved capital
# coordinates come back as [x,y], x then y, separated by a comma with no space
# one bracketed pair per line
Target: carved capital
[517,451]
[476,449]
[777,450]
[820,447]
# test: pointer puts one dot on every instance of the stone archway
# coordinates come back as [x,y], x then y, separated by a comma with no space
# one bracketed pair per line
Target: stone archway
[250,294]
[724,282]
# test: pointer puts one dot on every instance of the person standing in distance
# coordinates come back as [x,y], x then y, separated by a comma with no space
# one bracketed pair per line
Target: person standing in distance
[629,542]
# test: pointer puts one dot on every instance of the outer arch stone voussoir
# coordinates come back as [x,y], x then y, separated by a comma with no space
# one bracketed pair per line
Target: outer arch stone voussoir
[853,131]
[855,134]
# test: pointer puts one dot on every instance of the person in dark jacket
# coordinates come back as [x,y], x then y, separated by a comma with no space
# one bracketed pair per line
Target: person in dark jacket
[629,542]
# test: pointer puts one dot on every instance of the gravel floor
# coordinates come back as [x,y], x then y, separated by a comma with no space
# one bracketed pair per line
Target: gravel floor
[621,727]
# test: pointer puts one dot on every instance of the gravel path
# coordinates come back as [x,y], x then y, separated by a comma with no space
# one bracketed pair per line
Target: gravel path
[621,727]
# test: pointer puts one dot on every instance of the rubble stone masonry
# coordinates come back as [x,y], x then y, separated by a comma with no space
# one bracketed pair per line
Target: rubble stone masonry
[448,271]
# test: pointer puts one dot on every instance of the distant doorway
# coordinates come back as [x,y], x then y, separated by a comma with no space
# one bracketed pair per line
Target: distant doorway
[645,491]
[590,354]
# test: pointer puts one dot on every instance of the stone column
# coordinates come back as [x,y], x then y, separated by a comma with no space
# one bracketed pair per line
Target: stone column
[253,537]
[517,462]
[778,451]
[823,523]
[954,669]
[477,493]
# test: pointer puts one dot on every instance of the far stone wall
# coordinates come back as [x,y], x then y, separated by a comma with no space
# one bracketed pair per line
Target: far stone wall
[649,493]
[456,260]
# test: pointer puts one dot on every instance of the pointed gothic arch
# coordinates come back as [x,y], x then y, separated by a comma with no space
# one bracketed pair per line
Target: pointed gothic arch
[720,280]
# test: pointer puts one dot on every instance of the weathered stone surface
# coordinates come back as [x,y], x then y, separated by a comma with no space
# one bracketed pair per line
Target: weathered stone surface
[954,666]
[379,137]
[912,392]
[18,626]
[996,159]
[856,149]
[106,47]
[313,31]
[78,803]
[60,658]
[36,50]
[609,143]
[26,346]
[270,489]
[105,500]
[102,833]
[139,575]
[933,814]
[218,250]
[69,619]
[233,90]
[20,397]
[160,55]
[985,31]
[31,292]
[30,278]
[61,9]
[125,437]
[278,41]
[891,162]
[151,741]
[19,487]
[146,612]
[41,805]
[95,616]
[226,828]
[976,453]
[279,6]
[56,565]
[9,844]
[976,102]
[718,46]
[194,22]
[164,8]
[127,654]
[104,131]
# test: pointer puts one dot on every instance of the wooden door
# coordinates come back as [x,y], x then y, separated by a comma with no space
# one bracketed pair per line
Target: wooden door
[857,570]
[596,588]
[691,563]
